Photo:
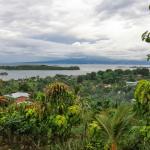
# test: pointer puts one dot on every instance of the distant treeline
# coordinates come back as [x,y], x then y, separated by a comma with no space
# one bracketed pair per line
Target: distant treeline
[39,67]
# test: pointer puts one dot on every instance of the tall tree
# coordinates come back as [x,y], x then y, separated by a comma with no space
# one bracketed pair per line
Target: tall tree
[114,125]
[146,38]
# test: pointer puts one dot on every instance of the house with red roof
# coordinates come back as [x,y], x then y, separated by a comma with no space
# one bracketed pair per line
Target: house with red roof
[21,99]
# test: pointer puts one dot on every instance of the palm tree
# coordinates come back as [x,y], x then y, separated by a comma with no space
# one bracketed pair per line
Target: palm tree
[114,124]
[55,91]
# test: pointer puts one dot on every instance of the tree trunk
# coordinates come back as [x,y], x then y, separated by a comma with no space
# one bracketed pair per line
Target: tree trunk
[113,146]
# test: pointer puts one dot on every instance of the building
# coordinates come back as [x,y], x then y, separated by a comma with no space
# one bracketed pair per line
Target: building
[129,83]
[21,99]
[17,95]
[107,86]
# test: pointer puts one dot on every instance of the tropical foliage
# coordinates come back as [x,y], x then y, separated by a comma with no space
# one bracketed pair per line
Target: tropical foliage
[103,110]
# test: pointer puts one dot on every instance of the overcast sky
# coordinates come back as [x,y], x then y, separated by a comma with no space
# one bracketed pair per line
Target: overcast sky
[32,30]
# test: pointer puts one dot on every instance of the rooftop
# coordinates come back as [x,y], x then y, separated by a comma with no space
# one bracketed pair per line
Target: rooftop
[18,94]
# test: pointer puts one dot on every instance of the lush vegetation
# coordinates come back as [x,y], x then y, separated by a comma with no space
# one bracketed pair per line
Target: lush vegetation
[98,111]
[38,67]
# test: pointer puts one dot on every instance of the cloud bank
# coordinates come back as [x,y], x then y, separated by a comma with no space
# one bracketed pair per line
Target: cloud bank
[32,30]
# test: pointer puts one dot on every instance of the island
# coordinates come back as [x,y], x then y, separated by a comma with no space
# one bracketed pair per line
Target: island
[39,67]
[3,73]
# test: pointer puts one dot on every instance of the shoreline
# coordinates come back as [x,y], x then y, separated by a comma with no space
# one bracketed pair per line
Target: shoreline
[84,69]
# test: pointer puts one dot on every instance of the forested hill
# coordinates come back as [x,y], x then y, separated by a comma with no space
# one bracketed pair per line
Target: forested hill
[38,67]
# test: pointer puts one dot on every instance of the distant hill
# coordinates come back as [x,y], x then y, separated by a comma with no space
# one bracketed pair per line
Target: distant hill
[94,60]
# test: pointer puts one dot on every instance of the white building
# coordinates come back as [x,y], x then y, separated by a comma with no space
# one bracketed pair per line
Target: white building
[18,94]
[128,83]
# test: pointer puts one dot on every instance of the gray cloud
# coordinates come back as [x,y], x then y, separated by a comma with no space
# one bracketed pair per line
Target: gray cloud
[128,9]
[63,38]
[52,29]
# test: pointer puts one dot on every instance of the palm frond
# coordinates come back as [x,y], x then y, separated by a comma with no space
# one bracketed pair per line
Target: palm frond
[105,124]
[115,123]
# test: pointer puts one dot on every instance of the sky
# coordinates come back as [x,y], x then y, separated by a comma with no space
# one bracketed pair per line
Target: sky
[34,30]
